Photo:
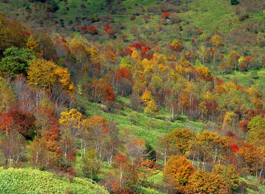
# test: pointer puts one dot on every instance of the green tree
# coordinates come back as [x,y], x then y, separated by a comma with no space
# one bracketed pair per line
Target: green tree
[16,61]
[91,165]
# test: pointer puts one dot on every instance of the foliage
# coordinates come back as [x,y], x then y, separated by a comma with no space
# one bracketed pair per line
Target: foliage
[16,61]
[178,170]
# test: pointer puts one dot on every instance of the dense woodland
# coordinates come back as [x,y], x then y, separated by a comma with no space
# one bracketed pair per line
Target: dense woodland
[132,96]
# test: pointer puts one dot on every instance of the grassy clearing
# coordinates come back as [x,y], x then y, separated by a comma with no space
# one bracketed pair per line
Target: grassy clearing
[145,127]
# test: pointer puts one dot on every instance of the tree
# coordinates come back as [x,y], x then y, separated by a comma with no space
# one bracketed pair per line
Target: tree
[12,145]
[229,174]
[16,61]
[98,129]
[206,182]
[91,165]
[179,139]
[72,121]
[250,157]
[147,97]
[151,108]
[213,145]
[42,73]
[217,41]
[24,121]
[233,59]
[13,33]
[6,95]
[177,171]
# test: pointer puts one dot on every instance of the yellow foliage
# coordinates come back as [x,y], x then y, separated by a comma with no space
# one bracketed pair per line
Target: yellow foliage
[177,170]
[147,97]
[148,66]
[72,121]
[204,71]
[135,56]
[151,108]
[64,77]
[42,73]
[162,67]
[217,41]
[229,117]
[176,42]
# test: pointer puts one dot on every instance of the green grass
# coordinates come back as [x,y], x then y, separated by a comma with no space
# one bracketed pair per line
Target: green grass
[36,181]
[254,182]
[245,78]
[145,127]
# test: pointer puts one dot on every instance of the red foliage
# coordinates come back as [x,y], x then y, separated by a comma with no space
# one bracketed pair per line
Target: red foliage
[120,159]
[248,59]
[145,49]
[71,171]
[122,73]
[92,30]
[143,9]
[244,126]
[192,41]
[166,15]
[178,48]
[128,51]
[6,122]
[52,134]
[222,56]
[22,119]
[136,45]
[47,115]
[107,27]
[219,81]
[234,148]
[132,18]
[110,31]
[27,33]
[110,96]
[67,8]
[233,135]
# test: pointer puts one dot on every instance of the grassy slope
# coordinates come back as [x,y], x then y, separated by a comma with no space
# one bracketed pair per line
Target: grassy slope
[145,127]
[36,181]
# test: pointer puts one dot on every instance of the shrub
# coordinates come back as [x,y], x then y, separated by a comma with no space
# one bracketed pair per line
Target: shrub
[82,5]
[174,18]
[49,8]
[234,2]
[92,30]
[132,18]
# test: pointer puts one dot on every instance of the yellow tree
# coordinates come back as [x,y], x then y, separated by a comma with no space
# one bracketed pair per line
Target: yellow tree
[72,121]
[151,108]
[205,182]
[229,174]
[147,97]
[217,41]
[41,72]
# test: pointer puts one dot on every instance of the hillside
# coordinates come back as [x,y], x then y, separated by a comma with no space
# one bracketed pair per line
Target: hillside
[36,181]
[140,96]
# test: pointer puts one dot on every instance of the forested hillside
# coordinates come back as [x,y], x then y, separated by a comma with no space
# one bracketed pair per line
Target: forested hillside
[132,96]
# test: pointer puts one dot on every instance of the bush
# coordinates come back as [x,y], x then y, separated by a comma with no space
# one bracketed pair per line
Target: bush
[175,18]
[234,2]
